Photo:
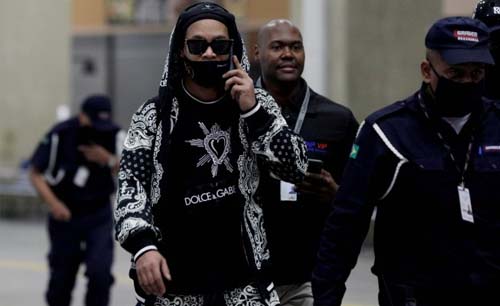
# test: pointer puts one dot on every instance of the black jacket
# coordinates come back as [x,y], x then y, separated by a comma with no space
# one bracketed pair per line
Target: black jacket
[399,165]
[58,158]
[294,228]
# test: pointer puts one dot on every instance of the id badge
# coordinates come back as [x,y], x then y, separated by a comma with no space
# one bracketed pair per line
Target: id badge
[81,176]
[465,204]
[287,192]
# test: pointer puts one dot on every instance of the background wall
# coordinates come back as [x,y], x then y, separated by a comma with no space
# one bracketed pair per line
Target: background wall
[385,45]
[34,78]
[362,53]
[459,7]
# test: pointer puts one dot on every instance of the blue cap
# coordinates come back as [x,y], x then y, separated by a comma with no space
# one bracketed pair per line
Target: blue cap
[98,108]
[460,40]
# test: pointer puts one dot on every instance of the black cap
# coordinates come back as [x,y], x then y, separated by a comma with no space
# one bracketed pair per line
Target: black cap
[98,108]
[488,11]
[460,40]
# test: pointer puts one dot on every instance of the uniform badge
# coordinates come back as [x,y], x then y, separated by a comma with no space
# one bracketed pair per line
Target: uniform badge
[354,151]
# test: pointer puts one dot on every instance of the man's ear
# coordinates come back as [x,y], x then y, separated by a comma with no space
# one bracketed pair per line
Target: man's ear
[256,52]
[426,71]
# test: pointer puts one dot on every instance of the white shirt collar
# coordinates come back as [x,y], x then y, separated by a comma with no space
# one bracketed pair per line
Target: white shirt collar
[457,123]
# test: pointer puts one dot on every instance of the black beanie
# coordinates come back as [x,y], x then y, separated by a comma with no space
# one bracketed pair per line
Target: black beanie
[205,10]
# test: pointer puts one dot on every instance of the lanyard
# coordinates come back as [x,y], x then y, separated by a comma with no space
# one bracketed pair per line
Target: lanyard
[303,108]
[461,172]
[303,111]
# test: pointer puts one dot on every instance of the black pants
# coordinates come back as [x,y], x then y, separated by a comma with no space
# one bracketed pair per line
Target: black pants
[401,295]
[86,239]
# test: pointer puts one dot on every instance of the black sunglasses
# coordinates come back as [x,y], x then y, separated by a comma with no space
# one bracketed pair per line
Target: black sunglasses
[199,46]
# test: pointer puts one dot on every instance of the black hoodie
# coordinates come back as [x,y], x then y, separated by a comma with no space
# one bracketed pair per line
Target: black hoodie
[266,144]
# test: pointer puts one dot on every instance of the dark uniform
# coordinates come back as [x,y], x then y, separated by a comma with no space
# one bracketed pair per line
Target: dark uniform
[294,227]
[425,251]
[85,188]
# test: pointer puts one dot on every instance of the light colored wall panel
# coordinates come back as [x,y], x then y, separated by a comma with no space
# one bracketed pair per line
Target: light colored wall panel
[385,45]
[34,61]
[459,7]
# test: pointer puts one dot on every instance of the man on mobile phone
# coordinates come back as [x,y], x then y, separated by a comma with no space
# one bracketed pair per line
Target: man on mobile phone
[192,162]
[294,214]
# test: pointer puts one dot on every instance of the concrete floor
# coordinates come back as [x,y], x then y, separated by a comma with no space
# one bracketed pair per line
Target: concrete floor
[23,270]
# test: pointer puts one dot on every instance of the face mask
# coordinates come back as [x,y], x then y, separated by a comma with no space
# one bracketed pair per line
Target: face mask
[207,74]
[454,99]
[86,135]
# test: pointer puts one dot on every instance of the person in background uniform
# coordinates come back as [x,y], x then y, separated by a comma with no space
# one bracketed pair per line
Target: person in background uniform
[294,221]
[72,169]
[431,166]
[488,11]
[191,165]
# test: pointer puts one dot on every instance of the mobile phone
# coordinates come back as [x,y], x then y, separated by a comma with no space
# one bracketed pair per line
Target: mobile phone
[231,64]
[315,165]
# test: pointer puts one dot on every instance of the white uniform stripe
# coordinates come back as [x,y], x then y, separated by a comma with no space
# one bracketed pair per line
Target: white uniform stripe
[49,177]
[387,142]
[359,128]
[394,177]
[400,156]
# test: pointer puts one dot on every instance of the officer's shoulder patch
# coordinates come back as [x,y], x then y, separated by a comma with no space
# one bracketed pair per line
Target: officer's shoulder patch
[354,151]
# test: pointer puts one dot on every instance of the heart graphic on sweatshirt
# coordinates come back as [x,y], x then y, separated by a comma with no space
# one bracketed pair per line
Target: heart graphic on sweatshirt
[217,147]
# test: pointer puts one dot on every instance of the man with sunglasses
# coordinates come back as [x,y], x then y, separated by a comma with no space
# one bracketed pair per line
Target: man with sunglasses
[294,224]
[187,208]
[431,166]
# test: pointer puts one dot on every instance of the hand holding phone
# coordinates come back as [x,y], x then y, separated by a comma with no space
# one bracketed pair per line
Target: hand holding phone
[318,182]
[240,86]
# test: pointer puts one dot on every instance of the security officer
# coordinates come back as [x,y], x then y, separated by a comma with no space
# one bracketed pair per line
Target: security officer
[431,166]
[72,170]
[294,221]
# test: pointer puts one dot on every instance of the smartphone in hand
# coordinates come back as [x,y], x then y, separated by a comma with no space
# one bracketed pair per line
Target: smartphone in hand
[231,63]
[315,165]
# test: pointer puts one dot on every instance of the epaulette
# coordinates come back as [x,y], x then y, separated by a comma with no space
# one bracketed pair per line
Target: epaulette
[491,104]
[494,103]
[65,125]
[388,111]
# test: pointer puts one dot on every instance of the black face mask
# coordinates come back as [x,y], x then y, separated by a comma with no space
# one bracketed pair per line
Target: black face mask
[86,135]
[454,99]
[207,74]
